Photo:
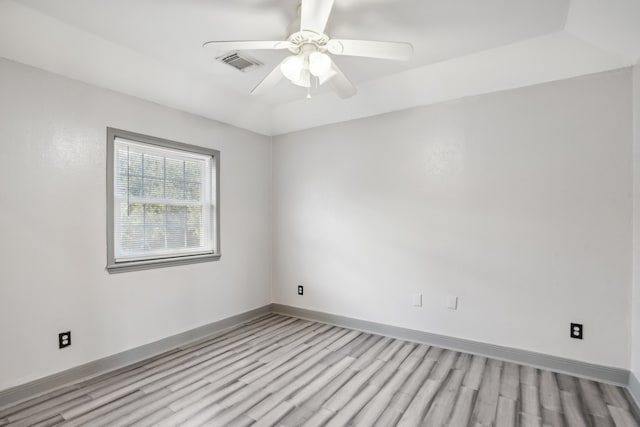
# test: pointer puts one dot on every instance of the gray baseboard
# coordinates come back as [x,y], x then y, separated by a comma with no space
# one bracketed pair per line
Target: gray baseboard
[553,363]
[92,369]
[35,388]
[634,390]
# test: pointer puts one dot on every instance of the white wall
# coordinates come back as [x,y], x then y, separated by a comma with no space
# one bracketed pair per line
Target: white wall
[518,202]
[635,352]
[52,226]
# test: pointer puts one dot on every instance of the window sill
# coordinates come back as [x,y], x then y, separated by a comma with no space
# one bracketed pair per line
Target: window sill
[126,266]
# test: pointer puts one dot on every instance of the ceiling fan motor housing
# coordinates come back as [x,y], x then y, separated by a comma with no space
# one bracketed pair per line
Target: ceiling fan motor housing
[302,39]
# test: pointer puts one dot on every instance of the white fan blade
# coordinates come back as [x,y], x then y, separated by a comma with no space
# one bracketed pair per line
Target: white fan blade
[247,45]
[341,84]
[314,15]
[371,49]
[269,82]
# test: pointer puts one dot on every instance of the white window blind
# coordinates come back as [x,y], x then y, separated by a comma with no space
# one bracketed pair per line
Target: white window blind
[163,202]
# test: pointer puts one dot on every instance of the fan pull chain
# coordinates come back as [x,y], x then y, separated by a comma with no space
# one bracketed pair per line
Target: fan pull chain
[309,93]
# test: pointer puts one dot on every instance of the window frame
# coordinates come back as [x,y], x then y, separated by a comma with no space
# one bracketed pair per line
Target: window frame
[123,266]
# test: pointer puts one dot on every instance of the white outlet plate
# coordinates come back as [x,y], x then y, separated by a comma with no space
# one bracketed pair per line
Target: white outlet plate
[452,302]
[417,300]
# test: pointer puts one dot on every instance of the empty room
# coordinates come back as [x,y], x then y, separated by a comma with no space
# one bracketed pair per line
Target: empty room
[320,213]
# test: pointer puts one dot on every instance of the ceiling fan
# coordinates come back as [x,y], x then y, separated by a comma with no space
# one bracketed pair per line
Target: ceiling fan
[310,65]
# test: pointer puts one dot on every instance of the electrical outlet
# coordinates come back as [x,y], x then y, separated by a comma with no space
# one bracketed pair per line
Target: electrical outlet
[417,300]
[300,290]
[452,302]
[576,331]
[64,339]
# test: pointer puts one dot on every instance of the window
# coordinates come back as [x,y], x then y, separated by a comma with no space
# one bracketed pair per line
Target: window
[162,202]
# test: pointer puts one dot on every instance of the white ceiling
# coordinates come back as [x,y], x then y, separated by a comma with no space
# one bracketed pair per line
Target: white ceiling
[152,49]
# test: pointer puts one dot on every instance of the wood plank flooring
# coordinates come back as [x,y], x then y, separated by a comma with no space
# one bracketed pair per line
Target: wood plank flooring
[282,371]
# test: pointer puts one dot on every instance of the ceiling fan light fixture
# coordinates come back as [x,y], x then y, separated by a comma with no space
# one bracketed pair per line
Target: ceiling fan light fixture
[326,77]
[304,80]
[292,67]
[319,64]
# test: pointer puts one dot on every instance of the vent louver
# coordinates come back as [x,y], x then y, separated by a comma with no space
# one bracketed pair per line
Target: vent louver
[240,61]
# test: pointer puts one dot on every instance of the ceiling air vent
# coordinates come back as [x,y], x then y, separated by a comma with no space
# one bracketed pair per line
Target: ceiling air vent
[240,61]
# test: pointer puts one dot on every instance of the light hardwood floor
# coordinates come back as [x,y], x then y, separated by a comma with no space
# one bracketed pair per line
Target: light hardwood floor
[282,371]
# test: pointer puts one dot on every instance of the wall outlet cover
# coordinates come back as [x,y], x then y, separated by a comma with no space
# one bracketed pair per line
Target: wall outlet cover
[417,300]
[576,331]
[452,302]
[64,339]
[300,290]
